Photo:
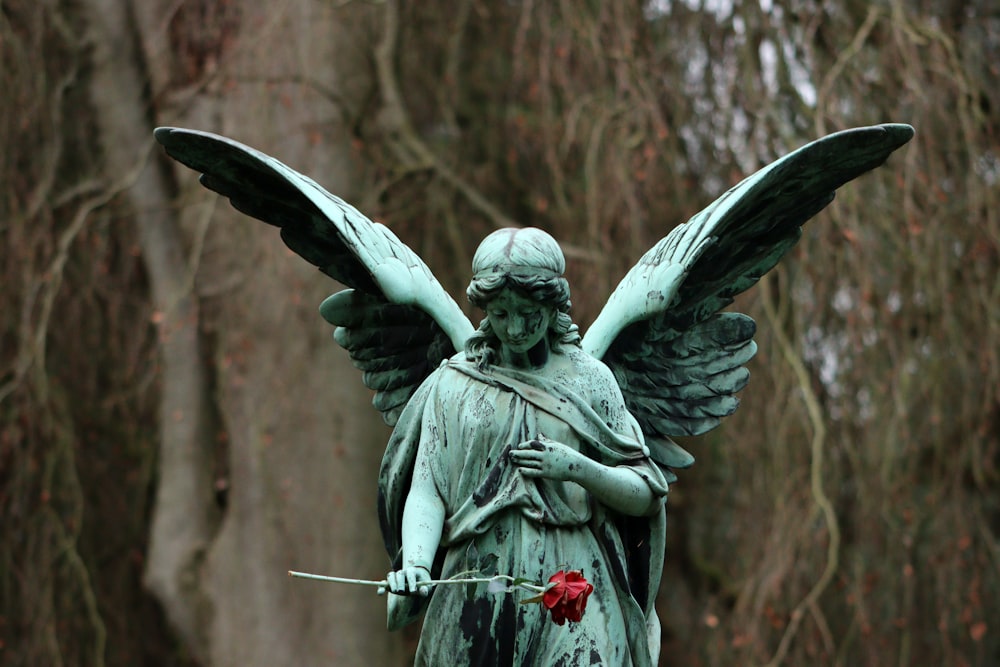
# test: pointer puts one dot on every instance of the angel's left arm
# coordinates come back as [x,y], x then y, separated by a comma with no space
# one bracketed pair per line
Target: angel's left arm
[619,488]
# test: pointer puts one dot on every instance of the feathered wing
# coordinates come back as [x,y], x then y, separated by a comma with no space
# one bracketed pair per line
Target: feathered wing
[680,361]
[396,320]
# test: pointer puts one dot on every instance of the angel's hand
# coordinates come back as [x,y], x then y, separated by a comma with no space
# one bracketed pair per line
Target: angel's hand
[407,581]
[548,459]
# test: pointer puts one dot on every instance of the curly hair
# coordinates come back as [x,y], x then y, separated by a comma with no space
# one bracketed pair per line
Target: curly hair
[530,262]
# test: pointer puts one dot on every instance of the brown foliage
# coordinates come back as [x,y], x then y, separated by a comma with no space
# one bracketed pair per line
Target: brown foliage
[847,514]
[77,372]
[863,524]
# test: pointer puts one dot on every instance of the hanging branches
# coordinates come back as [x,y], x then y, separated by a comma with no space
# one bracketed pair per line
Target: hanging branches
[608,123]
[70,294]
[845,515]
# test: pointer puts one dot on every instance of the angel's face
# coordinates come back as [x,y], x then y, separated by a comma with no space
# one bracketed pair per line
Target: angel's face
[519,322]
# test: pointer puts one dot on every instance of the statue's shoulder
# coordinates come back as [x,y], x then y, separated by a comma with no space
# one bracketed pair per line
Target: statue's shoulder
[584,362]
[456,363]
[457,358]
[455,371]
[444,375]
[585,365]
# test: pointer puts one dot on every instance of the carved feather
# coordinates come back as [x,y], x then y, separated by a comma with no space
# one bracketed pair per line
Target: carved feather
[397,322]
[678,361]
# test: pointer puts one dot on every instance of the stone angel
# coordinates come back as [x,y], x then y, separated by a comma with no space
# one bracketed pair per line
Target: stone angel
[521,446]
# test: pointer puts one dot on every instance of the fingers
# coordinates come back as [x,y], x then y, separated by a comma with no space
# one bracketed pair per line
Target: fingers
[412,579]
[535,444]
[527,458]
[533,456]
[397,582]
[407,582]
[396,585]
[416,578]
[531,463]
[545,458]
[534,451]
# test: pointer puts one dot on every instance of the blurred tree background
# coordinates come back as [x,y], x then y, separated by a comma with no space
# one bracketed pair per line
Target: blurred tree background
[178,429]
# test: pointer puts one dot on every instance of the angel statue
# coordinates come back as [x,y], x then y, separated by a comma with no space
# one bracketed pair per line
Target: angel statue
[521,447]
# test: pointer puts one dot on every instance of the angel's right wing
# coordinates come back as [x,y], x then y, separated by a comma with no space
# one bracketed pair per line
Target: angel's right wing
[678,360]
[396,321]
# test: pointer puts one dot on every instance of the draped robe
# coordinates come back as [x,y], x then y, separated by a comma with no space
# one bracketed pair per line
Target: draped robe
[459,428]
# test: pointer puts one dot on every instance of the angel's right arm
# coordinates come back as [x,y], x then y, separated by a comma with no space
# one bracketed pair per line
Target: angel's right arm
[423,520]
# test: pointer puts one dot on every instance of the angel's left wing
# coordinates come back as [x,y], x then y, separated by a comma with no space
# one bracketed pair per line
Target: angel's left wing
[396,320]
[678,360]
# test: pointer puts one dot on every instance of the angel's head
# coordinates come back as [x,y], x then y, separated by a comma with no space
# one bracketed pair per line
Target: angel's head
[525,266]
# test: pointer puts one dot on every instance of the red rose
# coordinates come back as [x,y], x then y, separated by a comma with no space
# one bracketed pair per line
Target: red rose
[566,595]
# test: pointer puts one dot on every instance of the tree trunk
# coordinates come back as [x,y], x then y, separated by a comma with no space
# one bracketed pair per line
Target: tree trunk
[185,516]
[264,466]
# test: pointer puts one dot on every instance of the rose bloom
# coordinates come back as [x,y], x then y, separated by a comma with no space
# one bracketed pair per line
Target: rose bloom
[567,596]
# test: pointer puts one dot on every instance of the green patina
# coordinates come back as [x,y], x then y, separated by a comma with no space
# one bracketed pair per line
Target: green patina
[520,448]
